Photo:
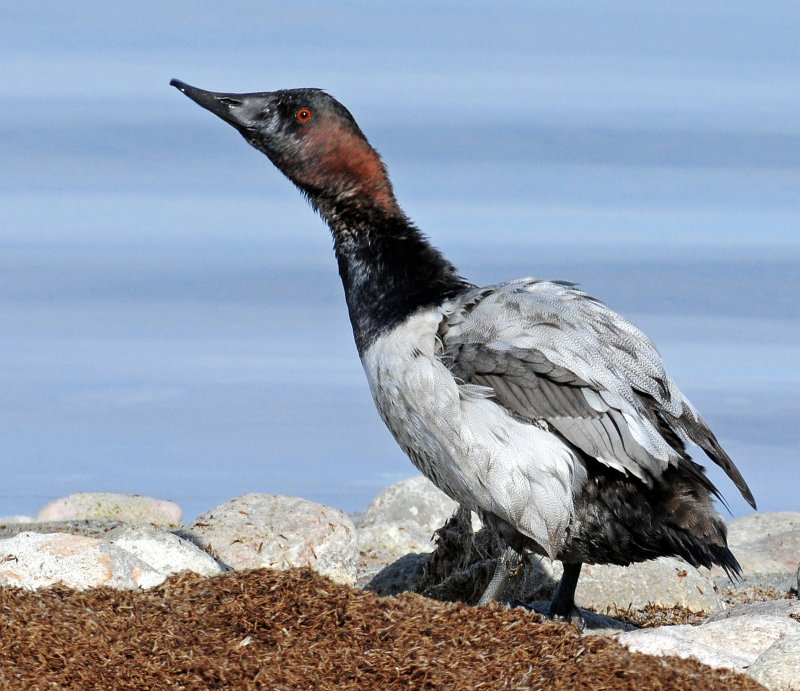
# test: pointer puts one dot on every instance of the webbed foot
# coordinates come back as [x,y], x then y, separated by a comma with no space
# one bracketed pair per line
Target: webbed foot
[573,616]
[562,608]
[507,564]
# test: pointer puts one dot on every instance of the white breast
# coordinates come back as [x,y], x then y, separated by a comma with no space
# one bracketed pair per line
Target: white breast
[467,444]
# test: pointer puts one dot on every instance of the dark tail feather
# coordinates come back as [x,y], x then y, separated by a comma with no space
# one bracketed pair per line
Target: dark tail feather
[723,557]
[695,529]
[702,554]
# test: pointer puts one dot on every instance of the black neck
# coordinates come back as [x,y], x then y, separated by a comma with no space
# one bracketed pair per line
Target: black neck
[389,269]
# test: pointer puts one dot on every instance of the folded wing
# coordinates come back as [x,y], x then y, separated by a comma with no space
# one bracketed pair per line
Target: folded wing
[552,355]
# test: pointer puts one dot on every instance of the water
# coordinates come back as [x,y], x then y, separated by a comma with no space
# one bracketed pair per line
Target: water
[171,322]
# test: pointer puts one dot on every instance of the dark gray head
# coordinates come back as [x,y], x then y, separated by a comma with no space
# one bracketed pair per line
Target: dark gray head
[311,137]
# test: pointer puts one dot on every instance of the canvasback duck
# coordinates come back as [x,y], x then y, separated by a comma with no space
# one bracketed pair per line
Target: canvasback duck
[529,402]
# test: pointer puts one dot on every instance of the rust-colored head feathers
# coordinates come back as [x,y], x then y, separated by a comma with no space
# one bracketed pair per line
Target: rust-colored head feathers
[312,139]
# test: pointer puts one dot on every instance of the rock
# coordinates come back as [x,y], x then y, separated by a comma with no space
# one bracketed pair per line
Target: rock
[415,500]
[774,554]
[758,526]
[782,608]
[400,521]
[85,554]
[733,643]
[105,506]
[765,542]
[757,585]
[664,582]
[35,560]
[389,541]
[778,667]
[164,551]
[14,520]
[402,576]
[403,517]
[86,528]
[279,532]
[380,545]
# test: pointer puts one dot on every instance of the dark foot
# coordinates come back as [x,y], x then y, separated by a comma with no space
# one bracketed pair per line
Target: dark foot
[573,617]
[563,608]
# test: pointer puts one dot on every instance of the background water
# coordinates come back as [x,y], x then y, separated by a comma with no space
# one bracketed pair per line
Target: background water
[171,321]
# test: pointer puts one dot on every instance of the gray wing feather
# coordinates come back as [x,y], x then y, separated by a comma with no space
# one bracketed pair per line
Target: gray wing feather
[553,355]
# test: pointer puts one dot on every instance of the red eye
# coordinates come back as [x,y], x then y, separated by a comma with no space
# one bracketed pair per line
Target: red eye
[304,115]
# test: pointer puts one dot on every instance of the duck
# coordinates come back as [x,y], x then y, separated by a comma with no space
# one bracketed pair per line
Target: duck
[529,402]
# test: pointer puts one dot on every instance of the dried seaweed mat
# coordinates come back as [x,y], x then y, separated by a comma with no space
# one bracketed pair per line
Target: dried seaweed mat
[297,630]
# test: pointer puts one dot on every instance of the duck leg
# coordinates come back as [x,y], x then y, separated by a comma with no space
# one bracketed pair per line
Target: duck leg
[562,607]
[507,564]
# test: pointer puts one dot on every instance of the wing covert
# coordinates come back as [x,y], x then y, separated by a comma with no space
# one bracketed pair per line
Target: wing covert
[555,356]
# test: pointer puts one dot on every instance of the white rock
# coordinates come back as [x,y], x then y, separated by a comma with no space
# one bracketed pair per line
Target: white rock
[665,582]
[733,643]
[163,550]
[106,506]
[414,501]
[669,640]
[279,532]
[34,560]
[400,520]
[778,667]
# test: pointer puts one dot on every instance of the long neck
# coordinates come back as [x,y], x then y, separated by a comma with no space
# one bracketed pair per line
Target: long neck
[388,268]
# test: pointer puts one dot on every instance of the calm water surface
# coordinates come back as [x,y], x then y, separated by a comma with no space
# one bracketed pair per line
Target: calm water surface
[171,321]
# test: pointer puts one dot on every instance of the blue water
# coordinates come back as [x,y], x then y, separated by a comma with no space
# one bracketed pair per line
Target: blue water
[171,321]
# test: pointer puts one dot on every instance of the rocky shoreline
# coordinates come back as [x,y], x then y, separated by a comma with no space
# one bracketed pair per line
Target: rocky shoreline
[663,607]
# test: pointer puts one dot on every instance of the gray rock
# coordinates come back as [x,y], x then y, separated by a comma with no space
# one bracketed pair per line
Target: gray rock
[733,643]
[758,526]
[104,506]
[402,576]
[765,542]
[664,582]
[86,554]
[778,667]
[779,608]
[34,560]
[774,554]
[279,532]
[87,528]
[781,583]
[383,543]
